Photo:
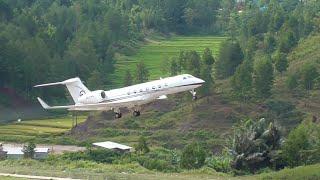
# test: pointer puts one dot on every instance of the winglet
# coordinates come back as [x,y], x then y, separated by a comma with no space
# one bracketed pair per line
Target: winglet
[43,104]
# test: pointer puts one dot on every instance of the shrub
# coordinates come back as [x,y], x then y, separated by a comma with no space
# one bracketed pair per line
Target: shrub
[220,163]
[302,145]
[193,156]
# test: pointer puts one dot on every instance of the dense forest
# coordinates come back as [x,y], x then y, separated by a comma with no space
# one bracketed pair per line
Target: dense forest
[51,40]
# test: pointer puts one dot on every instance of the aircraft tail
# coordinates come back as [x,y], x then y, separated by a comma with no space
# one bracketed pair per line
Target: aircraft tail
[74,86]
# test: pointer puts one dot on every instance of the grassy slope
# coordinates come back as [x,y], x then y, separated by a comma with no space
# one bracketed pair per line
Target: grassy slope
[91,170]
[307,51]
[154,53]
[35,128]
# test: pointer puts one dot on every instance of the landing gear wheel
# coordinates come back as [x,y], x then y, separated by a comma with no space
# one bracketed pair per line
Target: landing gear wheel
[136,113]
[194,98]
[118,115]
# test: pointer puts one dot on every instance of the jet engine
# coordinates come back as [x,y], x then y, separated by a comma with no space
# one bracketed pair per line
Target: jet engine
[92,97]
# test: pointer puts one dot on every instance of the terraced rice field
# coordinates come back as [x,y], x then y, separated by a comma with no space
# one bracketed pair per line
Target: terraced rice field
[33,128]
[154,53]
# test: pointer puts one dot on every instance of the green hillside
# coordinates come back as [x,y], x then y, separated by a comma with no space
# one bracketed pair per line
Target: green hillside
[36,129]
[306,52]
[155,52]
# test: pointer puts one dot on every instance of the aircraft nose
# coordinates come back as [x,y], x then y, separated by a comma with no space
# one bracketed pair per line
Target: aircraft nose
[200,81]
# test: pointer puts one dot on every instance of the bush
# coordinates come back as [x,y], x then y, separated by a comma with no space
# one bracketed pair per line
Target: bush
[221,163]
[193,156]
[160,159]
[97,155]
[303,145]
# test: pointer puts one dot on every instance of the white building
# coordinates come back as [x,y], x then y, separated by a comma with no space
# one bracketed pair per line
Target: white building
[17,152]
[114,146]
[13,152]
[41,153]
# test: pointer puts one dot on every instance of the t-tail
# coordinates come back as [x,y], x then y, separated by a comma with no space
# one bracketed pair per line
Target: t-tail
[74,86]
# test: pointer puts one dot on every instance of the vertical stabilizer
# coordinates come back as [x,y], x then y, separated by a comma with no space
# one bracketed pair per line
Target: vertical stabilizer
[74,86]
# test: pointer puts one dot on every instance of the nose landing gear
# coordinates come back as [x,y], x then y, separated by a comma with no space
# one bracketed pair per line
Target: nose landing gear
[194,95]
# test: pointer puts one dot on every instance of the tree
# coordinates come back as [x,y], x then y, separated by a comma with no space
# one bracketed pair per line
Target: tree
[207,57]
[127,78]
[296,142]
[280,62]
[207,77]
[241,81]
[142,146]
[193,156]
[174,67]
[206,71]
[193,62]
[263,76]
[230,56]
[28,150]
[255,144]
[292,81]
[95,80]
[142,73]
[81,58]
[309,73]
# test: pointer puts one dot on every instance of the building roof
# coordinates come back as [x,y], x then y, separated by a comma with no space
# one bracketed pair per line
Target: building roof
[41,150]
[18,150]
[112,145]
[13,150]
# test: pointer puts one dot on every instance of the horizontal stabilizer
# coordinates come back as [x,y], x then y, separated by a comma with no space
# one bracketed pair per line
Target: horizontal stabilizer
[46,106]
[43,104]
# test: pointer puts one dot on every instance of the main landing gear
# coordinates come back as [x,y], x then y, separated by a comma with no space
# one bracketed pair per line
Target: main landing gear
[136,113]
[194,95]
[117,113]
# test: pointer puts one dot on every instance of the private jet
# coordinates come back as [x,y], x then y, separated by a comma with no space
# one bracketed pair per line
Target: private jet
[131,97]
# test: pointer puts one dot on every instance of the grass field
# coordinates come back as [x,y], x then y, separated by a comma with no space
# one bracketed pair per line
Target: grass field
[154,53]
[34,128]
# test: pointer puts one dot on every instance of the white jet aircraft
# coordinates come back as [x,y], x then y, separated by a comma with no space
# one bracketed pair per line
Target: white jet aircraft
[131,97]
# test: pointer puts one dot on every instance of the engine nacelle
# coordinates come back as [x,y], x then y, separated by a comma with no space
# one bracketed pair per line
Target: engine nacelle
[92,97]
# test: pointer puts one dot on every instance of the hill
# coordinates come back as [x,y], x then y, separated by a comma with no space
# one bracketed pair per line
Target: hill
[156,51]
[306,52]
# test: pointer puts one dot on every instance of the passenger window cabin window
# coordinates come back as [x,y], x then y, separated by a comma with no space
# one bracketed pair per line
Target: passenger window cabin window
[141,90]
[128,92]
[184,77]
[153,87]
[166,84]
[159,86]
[135,91]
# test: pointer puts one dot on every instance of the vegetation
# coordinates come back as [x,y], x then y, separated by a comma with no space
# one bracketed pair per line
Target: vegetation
[193,156]
[29,150]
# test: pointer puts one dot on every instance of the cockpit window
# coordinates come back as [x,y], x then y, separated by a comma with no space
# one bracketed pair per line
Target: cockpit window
[185,77]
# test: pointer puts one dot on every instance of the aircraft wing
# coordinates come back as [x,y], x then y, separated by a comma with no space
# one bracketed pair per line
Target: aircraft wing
[96,107]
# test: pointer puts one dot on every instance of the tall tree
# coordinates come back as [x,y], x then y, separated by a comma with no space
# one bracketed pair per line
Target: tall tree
[280,61]
[230,56]
[207,57]
[95,80]
[193,63]
[263,76]
[127,78]
[241,81]
[142,72]
[206,71]
[309,73]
